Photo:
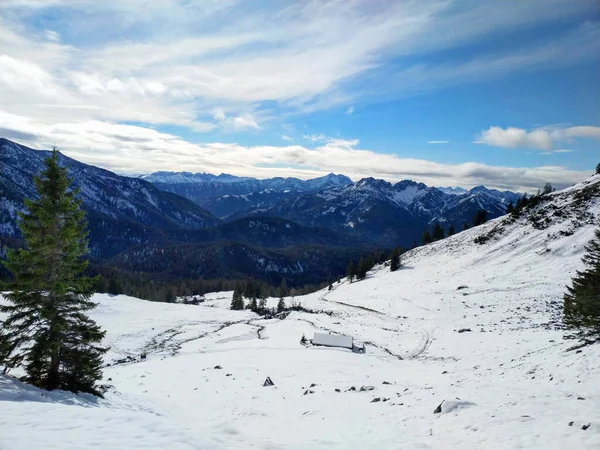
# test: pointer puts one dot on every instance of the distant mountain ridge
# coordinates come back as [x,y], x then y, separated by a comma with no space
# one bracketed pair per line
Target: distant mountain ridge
[127,203]
[230,197]
[386,213]
[314,217]
[226,194]
[134,226]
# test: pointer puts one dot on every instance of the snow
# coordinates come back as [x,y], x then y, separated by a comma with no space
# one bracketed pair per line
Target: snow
[509,383]
[407,195]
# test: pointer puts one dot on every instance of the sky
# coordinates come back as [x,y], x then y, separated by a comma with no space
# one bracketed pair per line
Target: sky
[449,92]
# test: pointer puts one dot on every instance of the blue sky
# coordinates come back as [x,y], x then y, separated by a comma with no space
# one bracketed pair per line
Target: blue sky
[445,92]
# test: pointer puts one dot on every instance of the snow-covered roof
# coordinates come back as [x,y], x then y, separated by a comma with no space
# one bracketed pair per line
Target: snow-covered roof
[332,340]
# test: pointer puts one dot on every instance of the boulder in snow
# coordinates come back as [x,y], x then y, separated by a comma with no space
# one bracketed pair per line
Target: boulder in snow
[451,405]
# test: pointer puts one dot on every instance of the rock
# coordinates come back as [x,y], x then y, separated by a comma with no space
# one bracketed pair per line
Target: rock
[578,351]
[386,382]
[571,423]
[585,427]
[352,388]
[143,356]
[218,367]
[268,382]
[463,286]
[580,398]
[228,375]
[451,405]
[444,372]
[385,399]
[312,385]
[337,390]
[376,400]
[110,379]
[367,388]
[309,391]
[463,330]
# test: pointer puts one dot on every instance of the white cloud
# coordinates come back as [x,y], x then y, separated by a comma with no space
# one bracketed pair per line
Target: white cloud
[586,132]
[133,149]
[350,110]
[315,137]
[438,142]
[52,35]
[244,121]
[222,55]
[285,137]
[241,122]
[540,138]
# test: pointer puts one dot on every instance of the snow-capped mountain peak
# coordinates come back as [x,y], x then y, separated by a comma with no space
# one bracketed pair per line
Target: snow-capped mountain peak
[452,190]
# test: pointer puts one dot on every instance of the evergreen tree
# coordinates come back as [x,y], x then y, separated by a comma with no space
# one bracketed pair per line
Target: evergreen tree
[509,208]
[262,304]
[114,285]
[253,305]
[102,285]
[169,295]
[547,189]
[46,329]
[582,300]
[283,289]
[451,230]
[598,169]
[237,301]
[438,232]
[425,238]
[281,305]
[465,226]
[395,262]
[361,271]
[480,217]
[351,271]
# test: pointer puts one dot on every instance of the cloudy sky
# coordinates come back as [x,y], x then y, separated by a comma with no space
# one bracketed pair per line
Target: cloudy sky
[450,92]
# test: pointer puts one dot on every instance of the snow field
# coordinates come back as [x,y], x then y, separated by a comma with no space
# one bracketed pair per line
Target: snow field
[508,383]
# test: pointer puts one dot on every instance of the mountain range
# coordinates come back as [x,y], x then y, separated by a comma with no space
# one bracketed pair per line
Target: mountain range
[209,221]
[383,213]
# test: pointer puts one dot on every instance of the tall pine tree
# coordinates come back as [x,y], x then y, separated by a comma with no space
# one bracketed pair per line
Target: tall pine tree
[237,301]
[395,261]
[426,237]
[281,305]
[351,271]
[46,330]
[582,300]
[438,232]
[480,217]
[361,270]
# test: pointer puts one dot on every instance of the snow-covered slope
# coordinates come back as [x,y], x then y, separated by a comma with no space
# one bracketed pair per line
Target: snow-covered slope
[506,383]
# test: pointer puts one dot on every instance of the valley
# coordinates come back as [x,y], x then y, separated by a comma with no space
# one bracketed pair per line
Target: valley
[472,327]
